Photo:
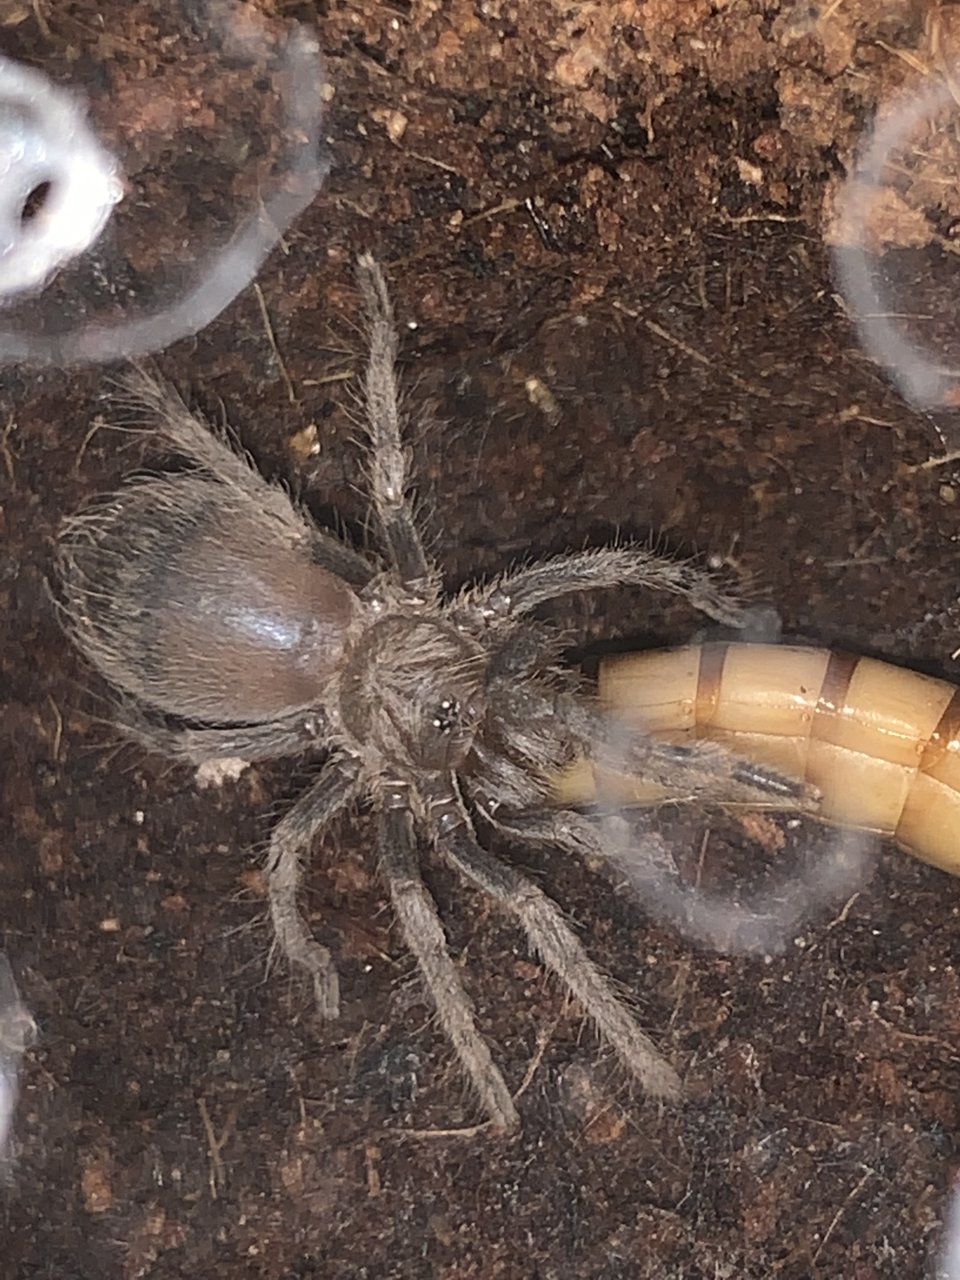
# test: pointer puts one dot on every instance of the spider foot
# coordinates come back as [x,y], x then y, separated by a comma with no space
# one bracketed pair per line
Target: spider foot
[302,952]
[326,986]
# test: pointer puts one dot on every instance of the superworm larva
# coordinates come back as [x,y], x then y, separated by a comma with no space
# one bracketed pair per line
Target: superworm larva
[881,743]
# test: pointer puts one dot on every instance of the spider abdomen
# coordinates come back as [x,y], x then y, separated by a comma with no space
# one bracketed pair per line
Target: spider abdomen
[187,598]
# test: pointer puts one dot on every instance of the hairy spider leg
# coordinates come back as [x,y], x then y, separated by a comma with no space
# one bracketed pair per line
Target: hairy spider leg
[700,769]
[423,933]
[388,463]
[337,785]
[697,769]
[214,450]
[524,589]
[559,948]
[290,736]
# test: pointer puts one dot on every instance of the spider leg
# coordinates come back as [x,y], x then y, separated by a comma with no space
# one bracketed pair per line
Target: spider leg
[543,724]
[336,786]
[215,450]
[523,590]
[529,649]
[388,455]
[286,737]
[423,933]
[183,430]
[698,770]
[560,949]
[562,829]
[340,558]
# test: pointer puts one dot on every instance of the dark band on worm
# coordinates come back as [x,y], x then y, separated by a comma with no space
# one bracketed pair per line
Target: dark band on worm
[713,658]
[832,698]
[945,737]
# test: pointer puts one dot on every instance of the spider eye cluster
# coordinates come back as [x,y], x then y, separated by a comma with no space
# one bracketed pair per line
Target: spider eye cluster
[446,716]
[412,690]
[452,723]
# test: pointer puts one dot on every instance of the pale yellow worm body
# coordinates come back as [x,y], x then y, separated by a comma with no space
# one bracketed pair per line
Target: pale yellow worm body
[882,744]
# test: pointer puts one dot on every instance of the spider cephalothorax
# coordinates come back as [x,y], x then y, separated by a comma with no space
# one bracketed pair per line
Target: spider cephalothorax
[230,625]
[411,693]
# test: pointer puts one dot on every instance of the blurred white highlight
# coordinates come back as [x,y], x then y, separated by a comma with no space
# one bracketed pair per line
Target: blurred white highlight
[949,1265]
[45,141]
[886,315]
[765,923]
[752,922]
[121,298]
[17,1032]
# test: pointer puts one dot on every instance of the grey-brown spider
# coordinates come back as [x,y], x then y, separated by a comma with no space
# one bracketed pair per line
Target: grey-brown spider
[231,625]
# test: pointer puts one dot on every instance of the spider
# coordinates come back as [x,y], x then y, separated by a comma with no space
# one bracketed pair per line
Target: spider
[230,625]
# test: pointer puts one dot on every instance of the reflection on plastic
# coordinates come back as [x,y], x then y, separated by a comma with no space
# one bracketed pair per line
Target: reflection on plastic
[216,134]
[17,1032]
[894,256]
[767,923]
[767,714]
[47,147]
[741,922]
[949,1267]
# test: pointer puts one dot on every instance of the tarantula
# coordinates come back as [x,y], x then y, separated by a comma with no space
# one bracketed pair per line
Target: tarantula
[230,625]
